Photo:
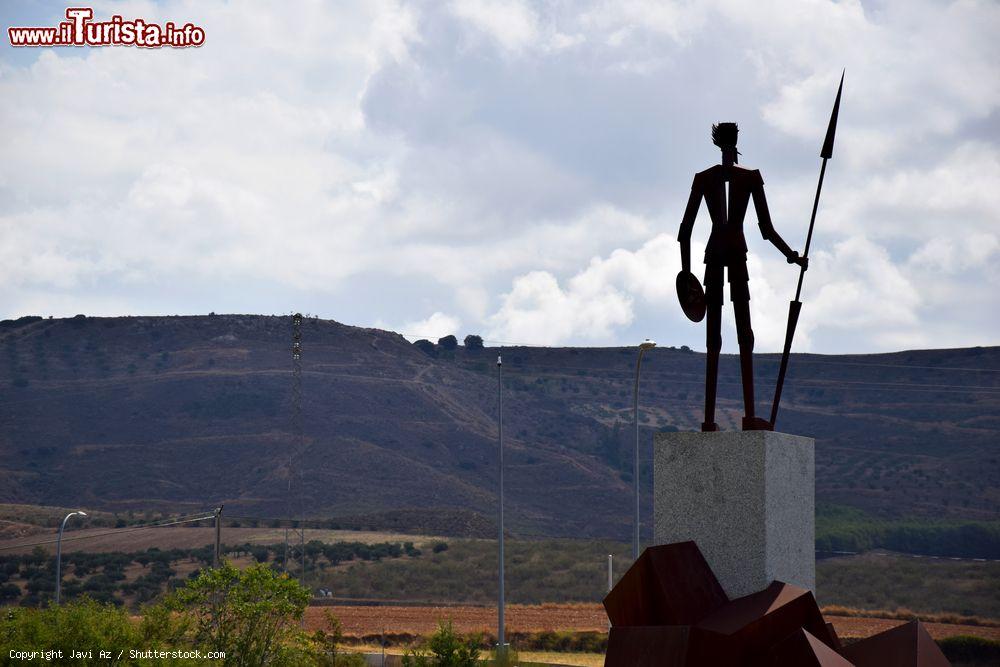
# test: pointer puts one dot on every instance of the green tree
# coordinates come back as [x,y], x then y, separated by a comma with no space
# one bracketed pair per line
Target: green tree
[248,614]
[448,342]
[328,644]
[445,649]
[426,347]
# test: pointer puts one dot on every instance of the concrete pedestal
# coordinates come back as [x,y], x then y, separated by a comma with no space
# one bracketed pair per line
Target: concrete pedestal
[747,499]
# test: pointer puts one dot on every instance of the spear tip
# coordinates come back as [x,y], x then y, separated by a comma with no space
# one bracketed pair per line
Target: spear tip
[831,130]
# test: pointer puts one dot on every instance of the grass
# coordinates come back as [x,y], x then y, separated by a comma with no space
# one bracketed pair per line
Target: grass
[48,516]
[964,650]
[917,585]
[575,571]
[904,614]
[537,571]
[541,657]
[463,571]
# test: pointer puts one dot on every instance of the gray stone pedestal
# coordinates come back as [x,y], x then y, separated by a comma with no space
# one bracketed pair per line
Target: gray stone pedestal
[746,498]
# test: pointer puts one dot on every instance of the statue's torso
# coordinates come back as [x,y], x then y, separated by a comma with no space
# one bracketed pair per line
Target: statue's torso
[727,244]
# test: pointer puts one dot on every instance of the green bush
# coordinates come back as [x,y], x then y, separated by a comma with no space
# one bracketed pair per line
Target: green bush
[964,648]
[445,649]
[248,614]
[248,617]
[328,644]
[83,624]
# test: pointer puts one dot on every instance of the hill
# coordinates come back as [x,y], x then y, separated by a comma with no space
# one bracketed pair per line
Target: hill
[182,413]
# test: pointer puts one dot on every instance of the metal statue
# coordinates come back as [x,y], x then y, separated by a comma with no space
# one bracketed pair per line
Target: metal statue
[727,189]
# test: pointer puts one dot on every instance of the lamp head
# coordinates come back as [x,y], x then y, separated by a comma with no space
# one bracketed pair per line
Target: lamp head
[647,345]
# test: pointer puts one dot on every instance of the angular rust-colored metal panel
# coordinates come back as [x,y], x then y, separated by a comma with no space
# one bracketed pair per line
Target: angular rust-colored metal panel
[649,646]
[907,645]
[670,611]
[837,644]
[760,620]
[802,650]
[667,646]
[670,584]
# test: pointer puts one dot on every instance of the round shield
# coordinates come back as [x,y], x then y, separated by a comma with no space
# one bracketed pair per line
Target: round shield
[691,295]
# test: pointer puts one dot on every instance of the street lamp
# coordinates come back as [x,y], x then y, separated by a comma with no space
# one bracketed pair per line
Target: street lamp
[501,639]
[643,347]
[59,552]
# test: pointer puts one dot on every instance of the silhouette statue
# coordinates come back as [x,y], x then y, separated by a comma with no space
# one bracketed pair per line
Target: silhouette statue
[726,189]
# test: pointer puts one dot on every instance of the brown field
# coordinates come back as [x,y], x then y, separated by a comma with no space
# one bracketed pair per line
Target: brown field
[181,537]
[362,621]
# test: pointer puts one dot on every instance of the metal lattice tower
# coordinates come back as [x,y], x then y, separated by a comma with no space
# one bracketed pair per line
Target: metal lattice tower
[295,451]
[297,378]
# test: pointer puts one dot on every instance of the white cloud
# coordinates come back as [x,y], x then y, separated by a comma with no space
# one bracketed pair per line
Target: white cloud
[512,24]
[861,289]
[596,301]
[437,325]
[539,311]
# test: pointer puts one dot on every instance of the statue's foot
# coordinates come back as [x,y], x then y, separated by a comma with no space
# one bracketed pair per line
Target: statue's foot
[709,426]
[756,424]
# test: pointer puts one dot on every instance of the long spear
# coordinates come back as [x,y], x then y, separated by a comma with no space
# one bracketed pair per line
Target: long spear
[796,306]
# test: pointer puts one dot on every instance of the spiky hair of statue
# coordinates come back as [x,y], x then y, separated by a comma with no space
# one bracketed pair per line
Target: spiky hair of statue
[724,134]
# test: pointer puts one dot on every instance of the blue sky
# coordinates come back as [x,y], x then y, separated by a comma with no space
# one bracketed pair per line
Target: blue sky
[515,169]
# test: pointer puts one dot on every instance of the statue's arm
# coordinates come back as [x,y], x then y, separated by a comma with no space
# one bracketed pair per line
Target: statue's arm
[687,224]
[767,229]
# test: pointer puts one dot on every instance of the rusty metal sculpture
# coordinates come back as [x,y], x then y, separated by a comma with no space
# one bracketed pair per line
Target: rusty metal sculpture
[669,610]
[727,190]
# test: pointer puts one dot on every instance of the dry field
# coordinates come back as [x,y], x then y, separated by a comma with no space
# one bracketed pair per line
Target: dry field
[367,621]
[181,537]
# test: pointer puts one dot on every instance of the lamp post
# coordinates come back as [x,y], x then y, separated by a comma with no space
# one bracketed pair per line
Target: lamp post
[501,641]
[62,527]
[217,554]
[643,347]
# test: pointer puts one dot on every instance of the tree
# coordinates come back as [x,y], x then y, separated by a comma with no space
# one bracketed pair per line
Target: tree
[445,649]
[473,342]
[328,642]
[449,342]
[426,347]
[248,614]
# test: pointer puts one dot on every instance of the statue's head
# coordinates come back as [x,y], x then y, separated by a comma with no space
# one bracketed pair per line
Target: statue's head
[724,135]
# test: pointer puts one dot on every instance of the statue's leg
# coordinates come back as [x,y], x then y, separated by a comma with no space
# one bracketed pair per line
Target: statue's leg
[714,282]
[713,345]
[744,334]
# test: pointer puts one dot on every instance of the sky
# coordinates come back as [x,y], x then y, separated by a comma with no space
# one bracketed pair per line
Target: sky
[516,170]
